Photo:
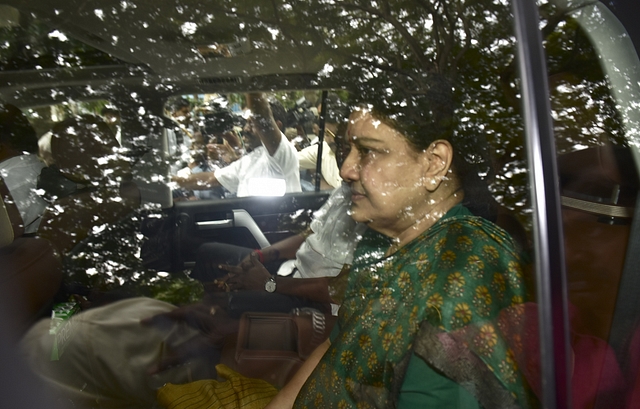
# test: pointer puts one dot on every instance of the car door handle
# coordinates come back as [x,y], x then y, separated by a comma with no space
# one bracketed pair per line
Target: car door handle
[214,224]
[241,218]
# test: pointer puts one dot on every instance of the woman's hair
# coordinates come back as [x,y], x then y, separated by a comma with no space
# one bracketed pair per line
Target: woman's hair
[425,112]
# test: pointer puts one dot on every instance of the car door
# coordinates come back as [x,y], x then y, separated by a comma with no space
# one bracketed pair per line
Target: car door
[588,319]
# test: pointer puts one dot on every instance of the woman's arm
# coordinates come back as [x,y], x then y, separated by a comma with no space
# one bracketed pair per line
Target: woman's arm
[287,395]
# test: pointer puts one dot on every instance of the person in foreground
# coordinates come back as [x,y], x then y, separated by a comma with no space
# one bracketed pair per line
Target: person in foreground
[418,319]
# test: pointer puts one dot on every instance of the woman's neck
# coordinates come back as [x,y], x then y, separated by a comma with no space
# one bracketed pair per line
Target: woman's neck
[429,218]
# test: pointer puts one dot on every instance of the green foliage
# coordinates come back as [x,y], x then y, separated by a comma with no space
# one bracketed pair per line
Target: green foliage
[177,289]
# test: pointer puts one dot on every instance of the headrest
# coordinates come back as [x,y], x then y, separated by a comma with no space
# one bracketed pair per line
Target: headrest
[601,180]
[16,131]
[84,148]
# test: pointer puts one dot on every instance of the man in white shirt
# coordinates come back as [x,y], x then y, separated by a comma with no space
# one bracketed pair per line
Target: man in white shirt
[20,166]
[308,159]
[335,114]
[272,157]
[321,252]
[316,256]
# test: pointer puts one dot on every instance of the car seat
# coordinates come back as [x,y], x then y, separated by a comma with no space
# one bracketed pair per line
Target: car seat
[273,346]
[84,150]
[31,269]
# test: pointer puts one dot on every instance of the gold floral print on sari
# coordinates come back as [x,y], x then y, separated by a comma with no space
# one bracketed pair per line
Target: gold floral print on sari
[455,278]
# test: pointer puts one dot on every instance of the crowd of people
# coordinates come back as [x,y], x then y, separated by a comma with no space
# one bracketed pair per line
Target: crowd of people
[225,154]
[80,166]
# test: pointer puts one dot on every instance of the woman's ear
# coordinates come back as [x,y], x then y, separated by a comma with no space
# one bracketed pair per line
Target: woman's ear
[439,156]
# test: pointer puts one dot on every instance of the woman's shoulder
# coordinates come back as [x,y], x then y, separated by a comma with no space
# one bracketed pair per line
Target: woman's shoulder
[471,246]
[466,227]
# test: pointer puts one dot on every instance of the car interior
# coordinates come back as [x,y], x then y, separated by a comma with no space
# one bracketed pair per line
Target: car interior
[116,225]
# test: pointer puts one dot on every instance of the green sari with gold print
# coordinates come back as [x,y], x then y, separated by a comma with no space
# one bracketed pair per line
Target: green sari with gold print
[437,298]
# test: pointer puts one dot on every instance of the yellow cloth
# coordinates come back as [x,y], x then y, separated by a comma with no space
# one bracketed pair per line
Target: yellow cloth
[234,393]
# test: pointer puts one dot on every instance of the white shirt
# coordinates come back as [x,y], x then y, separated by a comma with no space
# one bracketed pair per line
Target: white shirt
[258,164]
[334,239]
[44,148]
[308,157]
[20,174]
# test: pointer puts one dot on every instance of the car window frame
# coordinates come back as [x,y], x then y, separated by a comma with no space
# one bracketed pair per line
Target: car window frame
[548,238]
[548,235]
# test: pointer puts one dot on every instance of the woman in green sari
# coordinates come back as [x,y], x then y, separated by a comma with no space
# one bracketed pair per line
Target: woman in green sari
[419,321]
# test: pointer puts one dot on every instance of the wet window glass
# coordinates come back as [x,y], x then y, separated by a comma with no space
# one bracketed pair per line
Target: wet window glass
[194,198]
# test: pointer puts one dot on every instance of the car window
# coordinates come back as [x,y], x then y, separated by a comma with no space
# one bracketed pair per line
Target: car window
[211,131]
[177,126]
[431,71]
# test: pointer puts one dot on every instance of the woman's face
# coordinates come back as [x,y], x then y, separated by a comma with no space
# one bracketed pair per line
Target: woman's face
[386,176]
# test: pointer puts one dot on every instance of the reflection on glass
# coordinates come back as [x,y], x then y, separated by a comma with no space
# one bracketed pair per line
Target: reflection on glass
[594,75]
[413,85]
[426,106]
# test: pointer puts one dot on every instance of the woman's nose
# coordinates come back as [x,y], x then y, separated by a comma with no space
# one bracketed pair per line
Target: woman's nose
[349,171]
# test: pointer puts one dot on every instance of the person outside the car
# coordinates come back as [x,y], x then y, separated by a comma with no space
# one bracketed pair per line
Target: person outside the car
[271,156]
[308,159]
[308,156]
[180,134]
